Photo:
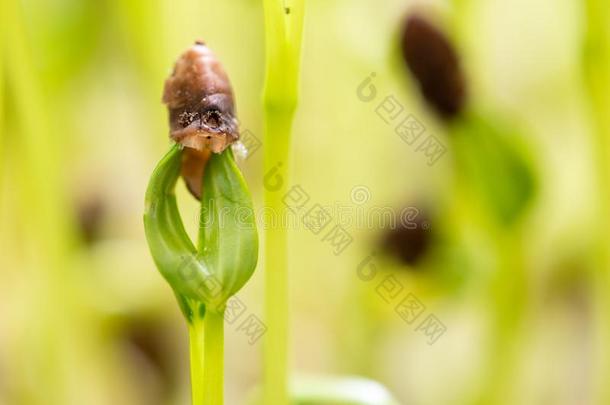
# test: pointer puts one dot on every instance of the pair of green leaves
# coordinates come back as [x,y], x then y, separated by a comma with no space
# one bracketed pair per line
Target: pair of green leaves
[228,241]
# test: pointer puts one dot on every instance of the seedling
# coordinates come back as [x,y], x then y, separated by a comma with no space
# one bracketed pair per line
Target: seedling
[495,182]
[204,277]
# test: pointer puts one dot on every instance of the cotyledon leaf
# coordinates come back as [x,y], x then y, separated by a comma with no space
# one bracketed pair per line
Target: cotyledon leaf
[497,165]
[228,238]
[228,250]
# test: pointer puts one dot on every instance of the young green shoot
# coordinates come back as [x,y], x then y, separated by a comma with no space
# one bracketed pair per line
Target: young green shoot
[203,278]
[283,32]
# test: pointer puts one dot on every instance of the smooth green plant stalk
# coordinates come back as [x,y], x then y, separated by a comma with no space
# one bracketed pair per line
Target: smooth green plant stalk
[276,285]
[596,70]
[196,337]
[206,333]
[213,361]
[283,32]
[211,329]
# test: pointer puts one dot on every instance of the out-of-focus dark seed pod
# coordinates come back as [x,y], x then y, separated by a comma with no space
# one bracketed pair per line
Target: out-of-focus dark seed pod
[201,108]
[433,61]
[91,212]
[410,240]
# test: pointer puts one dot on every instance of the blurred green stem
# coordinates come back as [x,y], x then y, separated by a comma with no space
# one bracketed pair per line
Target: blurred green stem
[494,186]
[502,294]
[2,93]
[283,29]
[43,220]
[508,300]
[596,70]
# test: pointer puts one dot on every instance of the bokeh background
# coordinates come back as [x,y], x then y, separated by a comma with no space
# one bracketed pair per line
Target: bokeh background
[85,318]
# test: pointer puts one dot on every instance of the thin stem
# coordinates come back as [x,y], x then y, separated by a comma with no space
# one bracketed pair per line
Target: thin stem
[506,292]
[213,359]
[276,266]
[508,300]
[283,31]
[596,66]
[196,336]
[2,93]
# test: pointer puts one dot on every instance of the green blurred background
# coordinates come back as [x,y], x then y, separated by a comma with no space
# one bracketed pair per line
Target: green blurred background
[85,318]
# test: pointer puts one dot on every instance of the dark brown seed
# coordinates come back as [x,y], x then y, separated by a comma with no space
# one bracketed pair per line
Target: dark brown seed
[433,61]
[201,108]
[408,242]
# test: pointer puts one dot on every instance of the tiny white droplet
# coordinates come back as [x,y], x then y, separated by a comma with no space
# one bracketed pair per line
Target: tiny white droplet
[240,151]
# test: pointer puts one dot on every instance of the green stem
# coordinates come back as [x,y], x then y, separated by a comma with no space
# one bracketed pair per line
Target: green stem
[596,66]
[2,93]
[506,291]
[508,299]
[283,30]
[213,359]
[196,336]
[276,265]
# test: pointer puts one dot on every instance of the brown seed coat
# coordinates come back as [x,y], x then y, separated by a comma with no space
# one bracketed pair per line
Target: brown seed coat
[201,108]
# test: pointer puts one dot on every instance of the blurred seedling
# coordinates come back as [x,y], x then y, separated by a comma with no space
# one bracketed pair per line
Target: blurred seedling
[494,183]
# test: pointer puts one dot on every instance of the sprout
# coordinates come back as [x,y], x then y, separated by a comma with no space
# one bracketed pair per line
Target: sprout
[203,278]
